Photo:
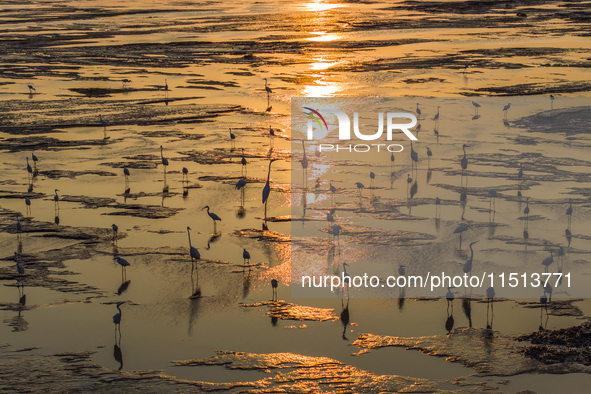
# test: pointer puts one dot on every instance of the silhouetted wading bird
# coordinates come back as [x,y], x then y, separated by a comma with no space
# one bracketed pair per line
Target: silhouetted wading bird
[240,184]
[126,174]
[28,204]
[476,106]
[274,285]
[165,164]
[526,210]
[19,227]
[418,110]
[267,188]
[506,109]
[213,217]
[243,162]
[372,178]
[468,263]
[464,161]
[436,117]
[193,252]
[31,89]
[35,160]
[125,81]
[414,155]
[267,88]
[117,317]
[520,173]
[29,170]
[245,256]
[360,187]
[569,210]
[56,200]
[19,267]
[232,139]
[124,264]
[185,174]
[115,230]
[548,261]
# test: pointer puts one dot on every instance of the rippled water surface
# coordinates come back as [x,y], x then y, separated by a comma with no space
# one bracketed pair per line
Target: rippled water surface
[197,74]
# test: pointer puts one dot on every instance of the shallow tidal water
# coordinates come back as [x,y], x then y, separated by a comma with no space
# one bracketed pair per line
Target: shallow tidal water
[214,56]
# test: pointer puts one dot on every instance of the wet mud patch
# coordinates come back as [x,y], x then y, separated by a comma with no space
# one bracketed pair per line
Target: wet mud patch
[262,235]
[372,236]
[106,92]
[229,156]
[288,311]
[556,307]
[570,346]
[42,143]
[57,174]
[125,209]
[553,122]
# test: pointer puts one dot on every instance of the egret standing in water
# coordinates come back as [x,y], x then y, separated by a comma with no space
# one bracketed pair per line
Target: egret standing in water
[30,171]
[274,285]
[526,210]
[408,182]
[413,155]
[117,318]
[402,270]
[468,263]
[19,227]
[31,89]
[548,260]
[245,257]
[115,231]
[418,110]
[165,164]
[360,187]
[476,106]
[166,88]
[267,188]
[126,174]
[193,252]
[213,217]
[125,81]
[271,136]
[460,229]
[449,296]
[105,124]
[520,173]
[464,161]
[28,204]
[124,264]
[19,267]
[436,117]
[304,162]
[372,178]
[493,195]
[429,155]
[232,139]
[267,89]
[506,109]
[56,200]
[490,299]
[243,162]
[35,160]
[569,210]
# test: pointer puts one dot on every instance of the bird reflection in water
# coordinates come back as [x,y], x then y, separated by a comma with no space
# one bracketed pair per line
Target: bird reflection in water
[449,322]
[345,318]
[117,353]
[195,287]
[246,284]
[467,308]
[401,298]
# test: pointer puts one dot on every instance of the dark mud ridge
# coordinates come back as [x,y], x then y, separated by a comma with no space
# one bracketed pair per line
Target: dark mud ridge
[568,345]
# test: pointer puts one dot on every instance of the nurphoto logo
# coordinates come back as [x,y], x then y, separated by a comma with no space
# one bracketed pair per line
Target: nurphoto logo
[318,121]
